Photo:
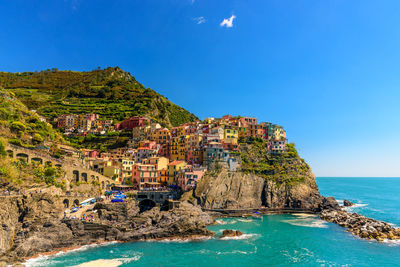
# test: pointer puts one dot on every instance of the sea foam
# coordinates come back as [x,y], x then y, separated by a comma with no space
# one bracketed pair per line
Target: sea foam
[307,221]
[243,236]
[41,259]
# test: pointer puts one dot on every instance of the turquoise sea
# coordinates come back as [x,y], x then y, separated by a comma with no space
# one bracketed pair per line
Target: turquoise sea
[277,240]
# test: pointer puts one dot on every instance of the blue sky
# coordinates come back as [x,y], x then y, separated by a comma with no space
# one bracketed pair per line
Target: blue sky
[328,71]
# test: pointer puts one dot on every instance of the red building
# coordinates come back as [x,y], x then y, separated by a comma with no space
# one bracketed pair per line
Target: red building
[134,122]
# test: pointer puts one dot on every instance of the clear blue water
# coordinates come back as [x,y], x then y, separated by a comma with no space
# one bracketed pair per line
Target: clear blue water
[277,240]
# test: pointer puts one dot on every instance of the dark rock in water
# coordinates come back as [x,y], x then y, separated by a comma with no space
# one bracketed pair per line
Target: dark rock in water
[347,203]
[329,203]
[230,233]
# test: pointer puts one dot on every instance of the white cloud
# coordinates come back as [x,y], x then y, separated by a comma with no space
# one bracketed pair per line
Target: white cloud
[200,20]
[228,22]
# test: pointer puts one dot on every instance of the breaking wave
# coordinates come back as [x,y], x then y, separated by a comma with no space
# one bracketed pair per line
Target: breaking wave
[41,259]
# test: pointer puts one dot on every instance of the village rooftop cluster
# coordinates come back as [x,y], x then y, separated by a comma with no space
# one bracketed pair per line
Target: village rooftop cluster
[156,157]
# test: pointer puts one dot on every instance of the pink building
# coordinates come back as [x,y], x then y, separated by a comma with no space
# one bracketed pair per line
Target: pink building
[188,177]
[276,146]
[145,176]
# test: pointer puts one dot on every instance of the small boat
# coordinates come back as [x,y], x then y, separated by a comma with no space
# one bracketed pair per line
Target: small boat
[117,200]
[75,209]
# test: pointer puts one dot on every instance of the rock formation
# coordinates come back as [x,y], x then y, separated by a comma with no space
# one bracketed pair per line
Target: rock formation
[238,190]
[361,226]
[230,190]
[347,203]
[230,233]
[33,225]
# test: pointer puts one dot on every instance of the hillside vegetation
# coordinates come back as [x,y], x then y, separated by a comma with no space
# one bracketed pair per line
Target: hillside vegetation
[286,168]
[112,93]
[23,127]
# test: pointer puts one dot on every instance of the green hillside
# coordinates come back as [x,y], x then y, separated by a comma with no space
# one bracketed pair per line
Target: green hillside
[21,126]
[112,93]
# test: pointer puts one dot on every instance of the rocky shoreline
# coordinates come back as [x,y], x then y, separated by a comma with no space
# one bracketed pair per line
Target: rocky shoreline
[34,226]
[361,226]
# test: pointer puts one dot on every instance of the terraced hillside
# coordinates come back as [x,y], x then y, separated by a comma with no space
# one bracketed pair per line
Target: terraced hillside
[112,93]
[22,127]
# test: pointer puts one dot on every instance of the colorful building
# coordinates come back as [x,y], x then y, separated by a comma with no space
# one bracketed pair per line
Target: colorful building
[173,169]
[127,168]
[230,134]
[189,176]
[134,122]
[145,176]
[161,136]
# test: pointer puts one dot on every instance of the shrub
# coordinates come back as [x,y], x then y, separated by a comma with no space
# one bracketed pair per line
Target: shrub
[291,150]
[17,126]
[37,138]
[15,141]
[50,172]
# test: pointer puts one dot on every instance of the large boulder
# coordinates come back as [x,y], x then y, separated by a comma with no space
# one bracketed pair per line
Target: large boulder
[329,203]
[347,203]
[230,233]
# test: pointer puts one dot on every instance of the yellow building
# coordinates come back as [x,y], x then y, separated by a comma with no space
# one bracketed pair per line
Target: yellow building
[127,167]
[280,133]
[173,169]
[160,163]
[174,148]
[161,136]
[178,148]
[178,131]
[112,172]
[231,135]
[208,120]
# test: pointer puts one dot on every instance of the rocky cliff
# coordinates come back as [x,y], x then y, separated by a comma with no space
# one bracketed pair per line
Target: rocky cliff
[272,181]
[239,190]
[34,224]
